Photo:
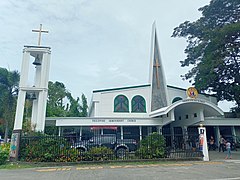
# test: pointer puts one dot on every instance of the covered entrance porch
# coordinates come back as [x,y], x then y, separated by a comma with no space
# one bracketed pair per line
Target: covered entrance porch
[188,115]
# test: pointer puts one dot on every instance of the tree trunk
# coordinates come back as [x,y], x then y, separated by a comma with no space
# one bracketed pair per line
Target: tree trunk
[6,132]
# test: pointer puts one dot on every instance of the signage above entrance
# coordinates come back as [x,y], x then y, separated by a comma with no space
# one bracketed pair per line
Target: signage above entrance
[108,122]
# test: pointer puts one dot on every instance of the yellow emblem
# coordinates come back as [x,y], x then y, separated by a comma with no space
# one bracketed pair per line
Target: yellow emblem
[192,92]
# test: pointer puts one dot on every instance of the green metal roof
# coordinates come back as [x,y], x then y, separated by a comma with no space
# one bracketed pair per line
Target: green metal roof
[121,88]
[140,86]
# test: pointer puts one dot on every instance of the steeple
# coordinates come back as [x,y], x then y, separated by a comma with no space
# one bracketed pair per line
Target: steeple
[159,95]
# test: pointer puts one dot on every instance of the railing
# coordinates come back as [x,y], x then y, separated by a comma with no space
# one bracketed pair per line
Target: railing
[104,148]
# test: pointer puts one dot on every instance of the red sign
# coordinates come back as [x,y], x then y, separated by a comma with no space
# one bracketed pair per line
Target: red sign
[104,127]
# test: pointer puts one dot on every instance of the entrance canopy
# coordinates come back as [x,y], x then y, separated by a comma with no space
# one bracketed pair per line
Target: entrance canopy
[103,121]
[190,105]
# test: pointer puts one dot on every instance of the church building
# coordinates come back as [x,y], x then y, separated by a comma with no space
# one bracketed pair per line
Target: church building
[137,111]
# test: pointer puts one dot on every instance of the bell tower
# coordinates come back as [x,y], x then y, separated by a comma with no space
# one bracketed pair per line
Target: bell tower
[38,59]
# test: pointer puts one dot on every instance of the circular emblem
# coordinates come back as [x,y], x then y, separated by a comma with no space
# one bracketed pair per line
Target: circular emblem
[192,92]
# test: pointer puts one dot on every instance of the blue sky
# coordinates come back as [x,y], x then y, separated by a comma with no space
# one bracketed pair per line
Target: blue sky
[98,44]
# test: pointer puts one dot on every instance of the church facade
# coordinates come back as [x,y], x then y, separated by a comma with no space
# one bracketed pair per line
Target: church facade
[137,111]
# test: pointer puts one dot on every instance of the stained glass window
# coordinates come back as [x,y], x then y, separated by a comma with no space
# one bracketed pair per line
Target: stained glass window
[121,104]
[138,104]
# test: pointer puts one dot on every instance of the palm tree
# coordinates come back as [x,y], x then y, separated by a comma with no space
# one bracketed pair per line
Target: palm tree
[9,83]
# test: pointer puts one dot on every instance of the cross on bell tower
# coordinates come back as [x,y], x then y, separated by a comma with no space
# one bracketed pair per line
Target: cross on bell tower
[39,33]
[38,90]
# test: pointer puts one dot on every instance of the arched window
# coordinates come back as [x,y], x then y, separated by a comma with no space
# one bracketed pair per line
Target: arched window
[121,104]
[138,104]
[176,99]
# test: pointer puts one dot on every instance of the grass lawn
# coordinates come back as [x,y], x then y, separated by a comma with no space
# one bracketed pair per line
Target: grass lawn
[20,165]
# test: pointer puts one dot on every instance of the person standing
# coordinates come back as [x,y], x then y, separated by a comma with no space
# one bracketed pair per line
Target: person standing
[221,144]
[212,145]
[228,149]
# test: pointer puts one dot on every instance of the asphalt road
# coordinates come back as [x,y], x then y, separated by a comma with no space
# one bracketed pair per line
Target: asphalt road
[212,170]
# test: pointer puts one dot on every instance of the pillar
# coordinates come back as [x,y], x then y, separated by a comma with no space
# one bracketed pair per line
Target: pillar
[22,93]
[19,111]
[233,133]
[217,135]
[121,128]
[140,133]
[185,137]
[159,129]
[172,135]
[59,131]
[80,133]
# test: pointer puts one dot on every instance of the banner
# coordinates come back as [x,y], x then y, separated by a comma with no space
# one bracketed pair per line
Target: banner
[203,143]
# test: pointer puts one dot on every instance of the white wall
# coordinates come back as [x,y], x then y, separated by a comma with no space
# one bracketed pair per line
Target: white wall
[176,92]
[104,102]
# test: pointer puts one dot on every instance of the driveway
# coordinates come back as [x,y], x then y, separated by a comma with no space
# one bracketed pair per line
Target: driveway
[219,156]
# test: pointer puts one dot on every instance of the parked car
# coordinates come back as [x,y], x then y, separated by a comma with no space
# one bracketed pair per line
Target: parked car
[119,146]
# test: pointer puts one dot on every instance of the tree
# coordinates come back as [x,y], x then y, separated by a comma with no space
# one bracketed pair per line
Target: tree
[62,104]
[55,104]
[9,82]
[213,50]
[73,109]
[84,106]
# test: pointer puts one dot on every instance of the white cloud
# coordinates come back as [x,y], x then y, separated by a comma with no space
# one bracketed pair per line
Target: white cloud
[97,43]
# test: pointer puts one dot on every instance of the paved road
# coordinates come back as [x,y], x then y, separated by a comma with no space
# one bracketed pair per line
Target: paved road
[221,170]
[217,169]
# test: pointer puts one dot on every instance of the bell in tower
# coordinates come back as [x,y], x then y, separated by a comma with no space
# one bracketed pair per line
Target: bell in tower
[37,61]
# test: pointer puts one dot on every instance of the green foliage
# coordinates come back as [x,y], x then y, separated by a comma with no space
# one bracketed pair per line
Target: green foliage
[9,81]
[84,106]
[74,107]
[61,103]
[43,148]
[4,153]
[57,93]
[51,130]
[98,154]
[153,146]
[214,49]
[27,127]
[47,149]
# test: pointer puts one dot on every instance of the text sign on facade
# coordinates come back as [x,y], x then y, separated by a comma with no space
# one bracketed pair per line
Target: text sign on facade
[113,120]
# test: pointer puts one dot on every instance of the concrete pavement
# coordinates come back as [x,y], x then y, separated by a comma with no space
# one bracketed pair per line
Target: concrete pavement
[220,156]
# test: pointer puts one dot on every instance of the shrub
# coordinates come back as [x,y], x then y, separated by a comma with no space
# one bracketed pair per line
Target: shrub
[98,154]
[47,149]
[153,146]
[4,153]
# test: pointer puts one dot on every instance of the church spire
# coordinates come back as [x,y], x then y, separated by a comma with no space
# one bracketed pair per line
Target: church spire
[159,95]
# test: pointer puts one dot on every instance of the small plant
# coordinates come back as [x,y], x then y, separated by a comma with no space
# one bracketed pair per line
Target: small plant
[152,146]
[4,153]
[98,154]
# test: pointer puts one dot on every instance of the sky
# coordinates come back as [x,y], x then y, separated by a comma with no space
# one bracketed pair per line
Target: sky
[98,44]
